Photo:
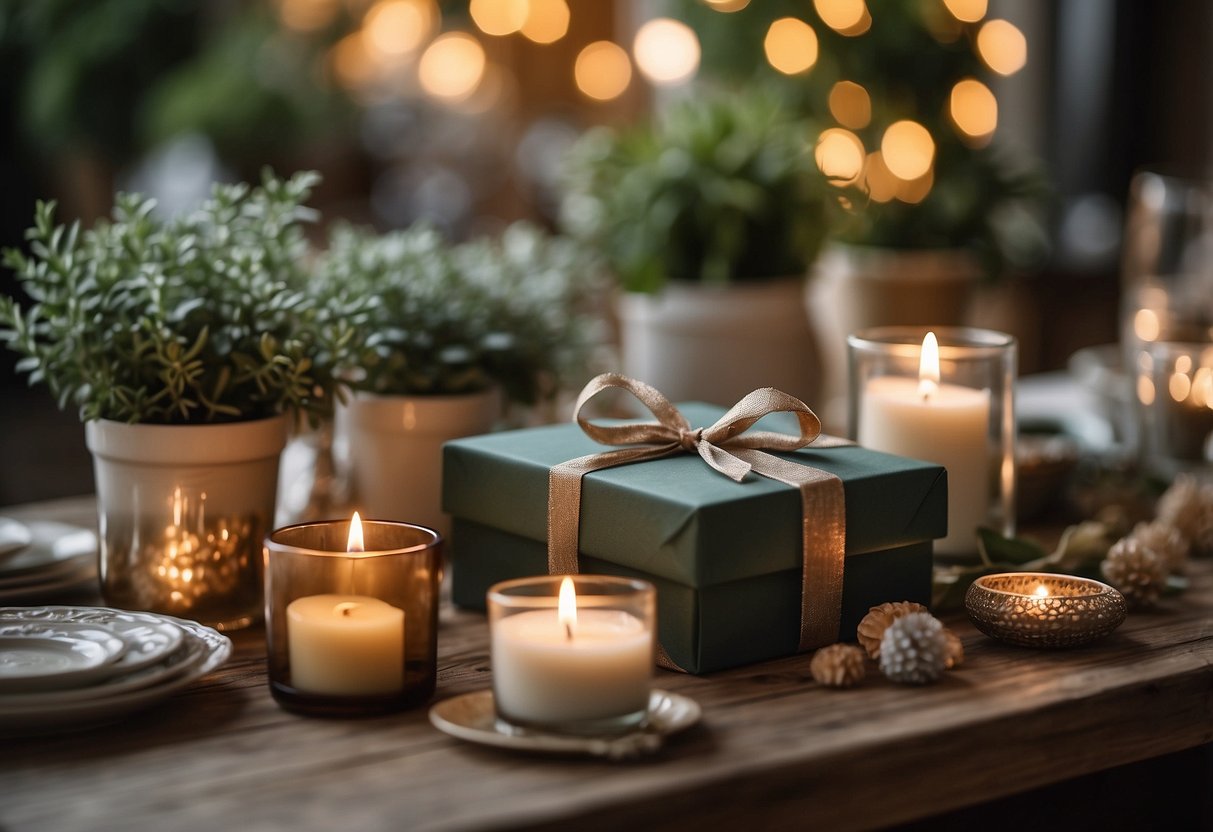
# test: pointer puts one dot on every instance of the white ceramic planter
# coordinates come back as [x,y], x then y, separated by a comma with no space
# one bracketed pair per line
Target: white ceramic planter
[395,451]
[859,287]
[184,510]
[716,344]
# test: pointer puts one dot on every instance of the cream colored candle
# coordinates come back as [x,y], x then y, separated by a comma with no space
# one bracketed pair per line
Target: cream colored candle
[942,423]
[553,670]
[345,645]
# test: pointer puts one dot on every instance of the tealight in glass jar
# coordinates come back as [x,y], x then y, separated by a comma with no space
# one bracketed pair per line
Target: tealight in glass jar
[947,396]
[351,612]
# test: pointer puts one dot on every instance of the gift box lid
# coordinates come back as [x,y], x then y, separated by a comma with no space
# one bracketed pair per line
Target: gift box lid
[677,518]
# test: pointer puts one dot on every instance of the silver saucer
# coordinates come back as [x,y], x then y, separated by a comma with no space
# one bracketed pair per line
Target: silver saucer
[473,717]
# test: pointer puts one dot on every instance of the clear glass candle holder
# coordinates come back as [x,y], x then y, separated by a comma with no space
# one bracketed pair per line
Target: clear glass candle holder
[572,654]
[1175,397]
[954,406]
[352,633]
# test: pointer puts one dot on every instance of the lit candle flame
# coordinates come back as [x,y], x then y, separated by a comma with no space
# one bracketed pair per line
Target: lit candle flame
[567,608]
[928,367]
[1041,591]
[354,542]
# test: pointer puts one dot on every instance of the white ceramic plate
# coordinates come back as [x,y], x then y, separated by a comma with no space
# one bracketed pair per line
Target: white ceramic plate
[60,716]
[14,536]
[50,544]
[150,638]
[83,576]
[473,717]
[38,656]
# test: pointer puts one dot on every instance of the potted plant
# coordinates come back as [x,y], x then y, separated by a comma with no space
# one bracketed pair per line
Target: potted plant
[185,344]
[709,217]
[444,337]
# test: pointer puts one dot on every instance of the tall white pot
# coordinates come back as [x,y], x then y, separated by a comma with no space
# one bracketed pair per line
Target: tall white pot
[395,450]
[717,343]
[858,287]
[183,512]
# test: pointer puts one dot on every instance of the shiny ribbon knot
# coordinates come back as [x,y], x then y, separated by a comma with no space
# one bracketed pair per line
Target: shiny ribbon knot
[728,447]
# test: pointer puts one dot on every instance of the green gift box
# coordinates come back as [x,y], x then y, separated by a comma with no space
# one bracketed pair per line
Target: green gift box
[726,557]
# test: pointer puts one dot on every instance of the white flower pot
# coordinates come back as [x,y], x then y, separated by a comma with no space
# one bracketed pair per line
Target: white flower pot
[395,451]
[184,510]
[716,344]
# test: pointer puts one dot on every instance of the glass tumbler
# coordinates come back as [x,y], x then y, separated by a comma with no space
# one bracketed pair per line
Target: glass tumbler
[352,633]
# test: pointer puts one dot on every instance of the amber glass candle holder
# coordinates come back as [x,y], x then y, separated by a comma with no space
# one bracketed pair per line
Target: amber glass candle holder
[351,633]
[1039,609]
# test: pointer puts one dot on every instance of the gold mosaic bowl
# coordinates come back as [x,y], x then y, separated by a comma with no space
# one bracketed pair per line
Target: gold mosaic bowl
[1037,609]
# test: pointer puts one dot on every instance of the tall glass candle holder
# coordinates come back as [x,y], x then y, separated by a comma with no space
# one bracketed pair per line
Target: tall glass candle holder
[944,395]
[1175,394]
[352,625]
[573,653]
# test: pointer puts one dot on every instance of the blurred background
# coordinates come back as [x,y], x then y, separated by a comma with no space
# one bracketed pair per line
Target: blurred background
[1034,115]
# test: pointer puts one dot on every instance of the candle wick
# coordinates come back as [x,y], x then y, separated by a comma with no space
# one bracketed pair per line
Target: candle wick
[568,631]
[345,611]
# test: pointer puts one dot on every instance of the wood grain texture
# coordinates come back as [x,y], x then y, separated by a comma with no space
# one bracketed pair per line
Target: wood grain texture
[774,750]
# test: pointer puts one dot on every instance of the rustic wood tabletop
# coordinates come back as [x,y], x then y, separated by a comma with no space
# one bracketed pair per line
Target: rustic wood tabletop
[773,749]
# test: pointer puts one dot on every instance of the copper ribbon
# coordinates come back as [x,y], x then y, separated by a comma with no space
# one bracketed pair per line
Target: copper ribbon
[727,447]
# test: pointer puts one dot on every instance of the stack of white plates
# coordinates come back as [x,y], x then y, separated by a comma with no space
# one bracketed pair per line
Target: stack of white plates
[41,558]
[68,666]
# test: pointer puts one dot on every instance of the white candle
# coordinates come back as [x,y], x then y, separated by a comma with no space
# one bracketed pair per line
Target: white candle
[345,645]
[942,423]
[551,669]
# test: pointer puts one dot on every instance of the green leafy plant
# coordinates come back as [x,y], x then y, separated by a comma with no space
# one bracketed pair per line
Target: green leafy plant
[718,189]
[198,319]
[434,319]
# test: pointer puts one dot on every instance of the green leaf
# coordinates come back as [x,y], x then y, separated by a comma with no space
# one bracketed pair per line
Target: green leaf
[1010,550]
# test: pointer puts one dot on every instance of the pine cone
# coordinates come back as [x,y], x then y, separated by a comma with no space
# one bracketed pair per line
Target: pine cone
[1138,572]
[914,649]
[1188,506]
[871,629]
[838,666]
[1166,541]
[956,650]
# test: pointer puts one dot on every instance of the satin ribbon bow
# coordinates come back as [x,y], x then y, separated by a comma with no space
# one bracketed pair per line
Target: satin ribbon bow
[729,448]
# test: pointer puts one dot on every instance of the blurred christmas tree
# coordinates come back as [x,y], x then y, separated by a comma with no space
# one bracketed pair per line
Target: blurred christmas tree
[908,118]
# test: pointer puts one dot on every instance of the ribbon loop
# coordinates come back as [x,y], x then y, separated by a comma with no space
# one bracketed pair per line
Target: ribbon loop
[729,448]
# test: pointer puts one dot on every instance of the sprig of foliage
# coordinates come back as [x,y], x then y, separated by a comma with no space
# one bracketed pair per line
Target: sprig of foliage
[437,319]
[719,189]
[199,319]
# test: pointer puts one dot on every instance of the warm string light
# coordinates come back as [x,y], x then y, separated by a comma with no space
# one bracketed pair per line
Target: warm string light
[790,46]
[666,51]
[602,70]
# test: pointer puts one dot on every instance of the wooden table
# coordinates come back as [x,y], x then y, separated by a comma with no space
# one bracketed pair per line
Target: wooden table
[773,750]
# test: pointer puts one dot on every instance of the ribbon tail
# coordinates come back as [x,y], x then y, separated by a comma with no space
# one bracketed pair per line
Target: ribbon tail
[823,542]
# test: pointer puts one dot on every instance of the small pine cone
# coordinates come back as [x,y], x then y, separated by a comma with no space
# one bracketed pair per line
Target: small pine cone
[1188,506]
[956,650]
[838,666]
[1166,541]
[872,627]
[914,649]
[1137,571]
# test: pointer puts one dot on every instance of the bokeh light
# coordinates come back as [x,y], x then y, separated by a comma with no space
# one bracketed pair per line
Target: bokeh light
[351,62]
[499,17]
[850,105]
[667,51]
[547,21]
[908,149]
[1003,47]
[967,11]
[973,108]
[915,190]
[881,185]
[839,154]
[841,15]
[397,27]
[791,45]
[602,70]
[452,66]
[728,5]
